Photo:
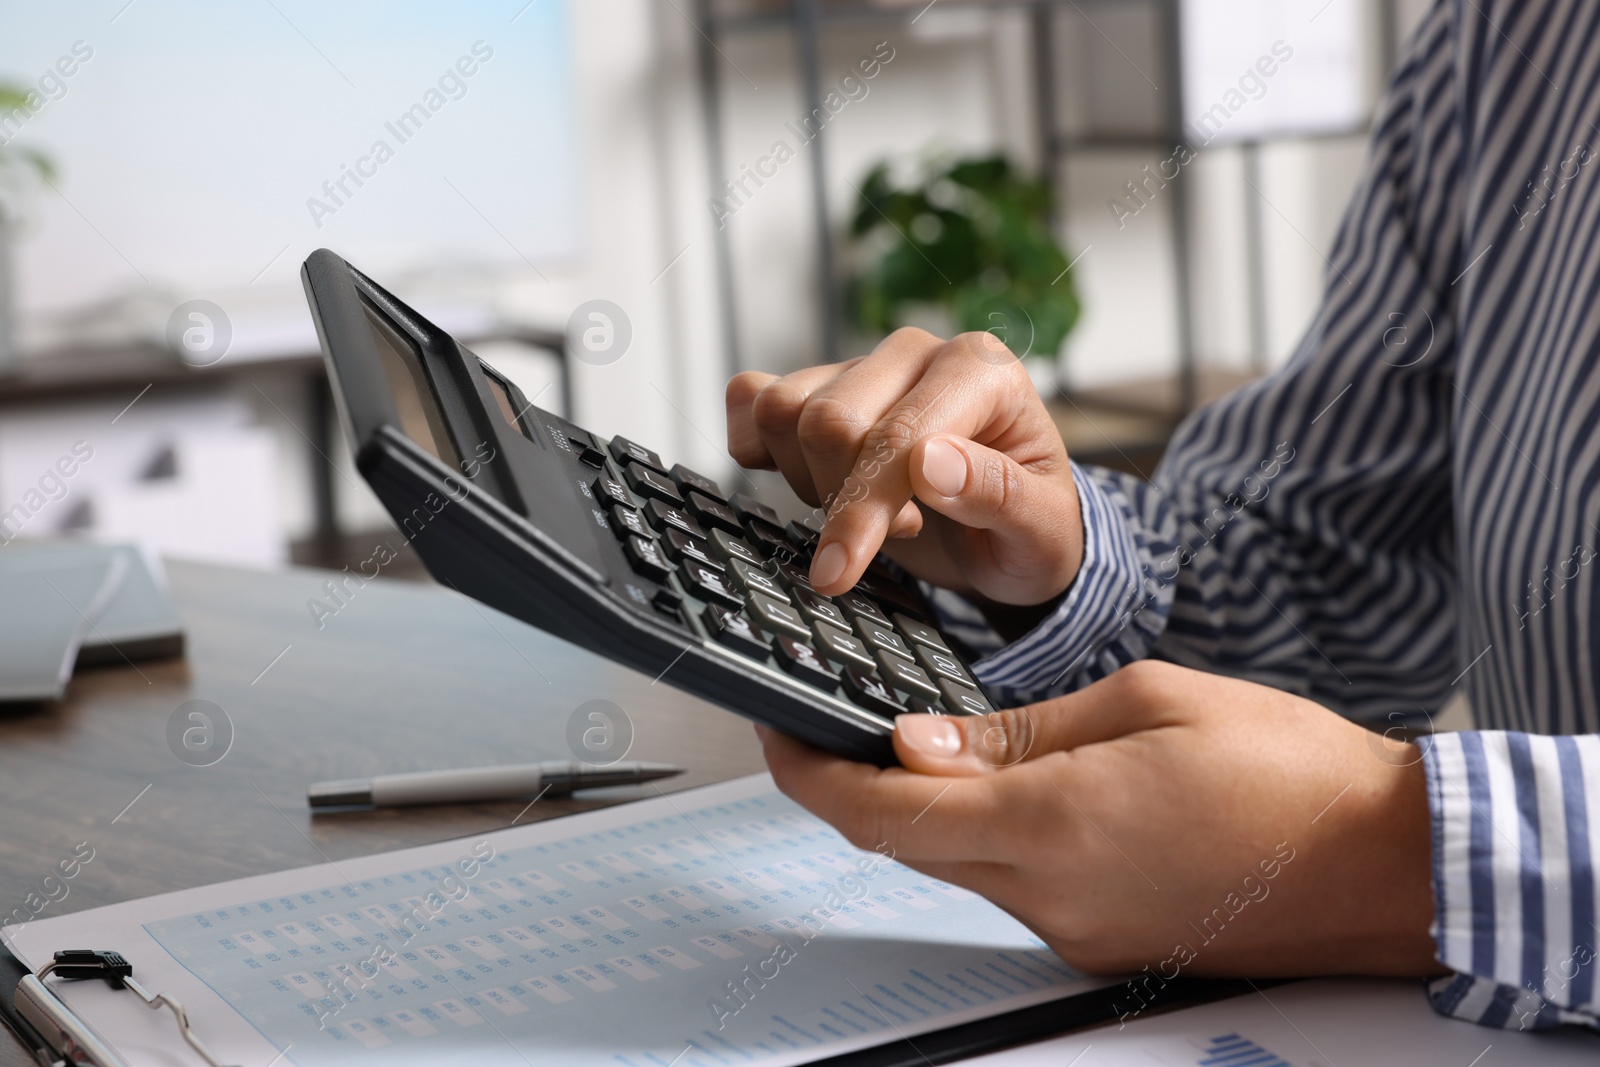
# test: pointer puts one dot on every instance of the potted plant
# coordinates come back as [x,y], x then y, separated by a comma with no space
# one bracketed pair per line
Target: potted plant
[17,167]
[972,238]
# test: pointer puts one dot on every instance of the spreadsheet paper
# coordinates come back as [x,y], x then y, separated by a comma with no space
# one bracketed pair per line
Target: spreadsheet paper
[713,926]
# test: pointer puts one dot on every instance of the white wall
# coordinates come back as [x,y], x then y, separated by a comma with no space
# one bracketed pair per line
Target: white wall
[959,82]
[644,176]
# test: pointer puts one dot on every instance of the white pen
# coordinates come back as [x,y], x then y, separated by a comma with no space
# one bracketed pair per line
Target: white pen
[481,783]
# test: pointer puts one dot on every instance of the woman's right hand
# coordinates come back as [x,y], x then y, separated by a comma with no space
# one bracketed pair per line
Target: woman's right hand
[940,453]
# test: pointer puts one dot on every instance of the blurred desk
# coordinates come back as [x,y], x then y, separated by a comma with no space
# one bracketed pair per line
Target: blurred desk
[128,371]
[404,677]
[408,677]
[1126,427]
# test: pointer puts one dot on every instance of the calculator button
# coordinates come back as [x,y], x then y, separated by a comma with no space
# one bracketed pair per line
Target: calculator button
[748,507]
[683,546]
[796,576]
[645,557]
[770,543]
[728,549]
[666,517]
[892,594]
[667,601]
[879,637]
[732,629]
[803,535]
[860,606]
[609,491]
[753,579]
[708,585]
[712,514]
[819,608]
[918,706]
[943,665]
[776,616]
[921,633]
[802,661]
[650,484]
[686,479]
[963,701]
[840,646]
[626,520]
[905,677]
[625,450]
[869,691]
[591,456]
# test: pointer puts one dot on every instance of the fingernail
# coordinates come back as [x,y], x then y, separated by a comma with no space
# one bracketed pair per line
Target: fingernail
[945,467]
[829,564]
[932,735]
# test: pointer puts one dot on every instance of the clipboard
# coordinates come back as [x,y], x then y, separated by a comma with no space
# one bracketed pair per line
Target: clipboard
[58,1038]
[954,931]
[55,1035]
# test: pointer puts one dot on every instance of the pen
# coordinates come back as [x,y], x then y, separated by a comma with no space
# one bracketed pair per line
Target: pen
[481,783]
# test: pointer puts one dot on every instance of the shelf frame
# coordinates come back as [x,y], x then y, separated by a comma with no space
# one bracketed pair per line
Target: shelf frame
[806,20]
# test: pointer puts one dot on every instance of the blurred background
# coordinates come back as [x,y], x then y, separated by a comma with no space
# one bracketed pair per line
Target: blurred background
[1138,196]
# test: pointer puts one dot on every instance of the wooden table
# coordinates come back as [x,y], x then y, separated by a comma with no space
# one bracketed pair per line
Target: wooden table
[404,677]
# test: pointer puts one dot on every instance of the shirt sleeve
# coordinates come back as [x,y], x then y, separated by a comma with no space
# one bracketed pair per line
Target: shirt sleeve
[1516,828]
[1298,534]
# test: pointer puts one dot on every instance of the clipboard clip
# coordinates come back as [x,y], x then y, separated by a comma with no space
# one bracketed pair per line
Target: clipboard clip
[69,1039]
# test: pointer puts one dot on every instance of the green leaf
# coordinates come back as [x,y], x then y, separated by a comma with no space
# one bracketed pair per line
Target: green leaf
[11,99]
[986,252]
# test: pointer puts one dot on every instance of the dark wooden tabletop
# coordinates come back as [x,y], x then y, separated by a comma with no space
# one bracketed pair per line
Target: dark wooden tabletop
[403,677]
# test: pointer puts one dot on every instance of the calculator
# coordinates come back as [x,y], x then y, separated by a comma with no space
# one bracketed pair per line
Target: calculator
[608,545]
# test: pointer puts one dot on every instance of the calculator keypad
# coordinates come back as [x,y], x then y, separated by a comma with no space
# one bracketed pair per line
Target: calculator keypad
[625,451]
[943,665]
[687,480]
[840,647]
[652,485]
[906,677]
[682,546]
[735,630]
[802,661]
[665,517]
[709,585]
[777,616]
[750,572]
[712,514]
[646,557]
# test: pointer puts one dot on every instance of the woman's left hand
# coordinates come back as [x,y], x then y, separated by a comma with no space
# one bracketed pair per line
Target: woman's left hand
[1162,817]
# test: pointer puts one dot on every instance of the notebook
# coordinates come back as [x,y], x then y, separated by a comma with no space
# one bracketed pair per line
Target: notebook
[77,604]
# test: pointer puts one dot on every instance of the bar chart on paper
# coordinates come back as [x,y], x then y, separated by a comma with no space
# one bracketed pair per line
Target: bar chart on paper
[720,926]
[1231,1050]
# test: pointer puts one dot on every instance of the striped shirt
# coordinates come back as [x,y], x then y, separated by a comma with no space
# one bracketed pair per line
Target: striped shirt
[1412,504]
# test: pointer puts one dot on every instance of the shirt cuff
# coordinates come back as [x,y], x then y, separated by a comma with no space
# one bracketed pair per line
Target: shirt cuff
[1515,907]
[1111,615]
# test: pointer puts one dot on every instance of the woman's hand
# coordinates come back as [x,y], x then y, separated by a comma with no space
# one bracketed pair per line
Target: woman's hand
[1161,817]
[955,424]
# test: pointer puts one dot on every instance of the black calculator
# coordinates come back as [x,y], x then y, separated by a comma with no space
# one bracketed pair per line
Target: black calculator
[606,544]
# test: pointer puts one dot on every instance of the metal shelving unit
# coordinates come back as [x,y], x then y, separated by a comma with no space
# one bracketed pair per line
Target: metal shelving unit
[806,20]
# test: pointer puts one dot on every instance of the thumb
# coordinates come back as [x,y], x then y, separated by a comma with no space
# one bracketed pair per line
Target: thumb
[1034,528]
[1138,697]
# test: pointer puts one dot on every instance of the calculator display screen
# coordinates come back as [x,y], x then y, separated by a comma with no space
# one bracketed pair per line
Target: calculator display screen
[420,417]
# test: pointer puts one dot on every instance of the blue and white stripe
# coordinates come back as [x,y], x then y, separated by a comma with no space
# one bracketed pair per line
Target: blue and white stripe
[1432,519]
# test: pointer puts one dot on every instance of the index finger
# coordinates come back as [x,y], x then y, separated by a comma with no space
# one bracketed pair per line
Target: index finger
[918,816]
[962,393]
